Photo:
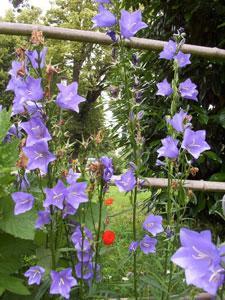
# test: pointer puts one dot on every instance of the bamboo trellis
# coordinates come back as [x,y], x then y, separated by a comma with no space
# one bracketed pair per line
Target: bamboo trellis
[136,43]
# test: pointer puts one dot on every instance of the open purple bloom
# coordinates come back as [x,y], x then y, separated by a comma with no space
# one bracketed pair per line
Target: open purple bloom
[36,131]
[194,142]
[85,256]
[164,88]
[182,59]
[133,246]
[188,90]
[103,1]
[56,195]
[34,274]
[30,90]
[33,57]
[147,244]
[76,194]
[62,282]
[38,156]
[131,23]
[169,148]
[201,260]
[43,219]
[108,168]
[88,271]
[180,121]
[169,50]
[72,176]
[153,224]
[23,202]
[80,244]
[68,210]
[15,80]
[127,181]
[68,97]
[104,18]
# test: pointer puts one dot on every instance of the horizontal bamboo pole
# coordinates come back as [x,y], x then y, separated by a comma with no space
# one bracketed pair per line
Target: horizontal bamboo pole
[59,33]
[197,185]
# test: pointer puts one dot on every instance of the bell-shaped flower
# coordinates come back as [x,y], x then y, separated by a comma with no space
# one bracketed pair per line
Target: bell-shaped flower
[188,90]
[35,275]
[180,121]
[76,194]
[153,224]
[56,195]
[127,181]
[131,23]
[23,202]
[147,244]
[104,18]
[182,59]
[169,148]
[164,88]
[169,50]
[194,142]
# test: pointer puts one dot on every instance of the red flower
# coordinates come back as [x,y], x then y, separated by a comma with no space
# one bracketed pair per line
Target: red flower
[108,237]
[108,201]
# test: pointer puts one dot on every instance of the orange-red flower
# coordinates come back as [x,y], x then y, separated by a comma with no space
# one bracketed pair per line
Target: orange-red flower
[108,201]
[108,237]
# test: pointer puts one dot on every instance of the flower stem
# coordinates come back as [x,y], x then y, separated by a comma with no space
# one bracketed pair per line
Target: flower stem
[135,237]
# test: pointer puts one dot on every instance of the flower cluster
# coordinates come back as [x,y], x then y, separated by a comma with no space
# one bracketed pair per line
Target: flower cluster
[130,22]
[153,225]
[192,141]
[201,260]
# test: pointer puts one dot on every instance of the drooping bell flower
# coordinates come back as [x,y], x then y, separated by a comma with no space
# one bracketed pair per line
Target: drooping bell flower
[34,275]
[131,23]
[43,219]
[62,282]
[169,148]
[36,59]
[153,224]
[194,142]
[133,246]
[108,237]
[38,156]
[104,18]
[164,88]
[72,176]
[108,168]
[30,90]
[68,97]
[23,202]
[84,270]
[16,80]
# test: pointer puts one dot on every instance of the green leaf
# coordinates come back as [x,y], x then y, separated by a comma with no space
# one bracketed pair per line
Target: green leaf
[1,290]
[9,154]
[212,155]
[217,177]
[21,226]
[13,284]
[4,123]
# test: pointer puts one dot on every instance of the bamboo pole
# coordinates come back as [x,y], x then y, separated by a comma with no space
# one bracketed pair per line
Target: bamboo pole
[101,38]
[197,185]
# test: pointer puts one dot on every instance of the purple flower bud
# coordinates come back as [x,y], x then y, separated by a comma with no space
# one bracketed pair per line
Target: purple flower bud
[135,59]
[133,246]
[140,115]
[112,35]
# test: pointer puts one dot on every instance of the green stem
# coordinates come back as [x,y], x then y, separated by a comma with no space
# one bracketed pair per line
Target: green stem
[52,241]
[135,237]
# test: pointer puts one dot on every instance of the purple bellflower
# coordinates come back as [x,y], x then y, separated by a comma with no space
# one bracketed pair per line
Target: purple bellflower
[147,244]
[35,275]
[68,97]
[43,219]
[16,80]
[153,224]
[182,59]
[62,282]
[76,194]
[23,202]
[68,210]
[103,1]
[127,181]
[164,88]
[30,90]
[36,131]
[200,259]
[194,142]
[112,35]
[131,23]
[56,195]
[188,90]
[169,148]
[38,156]
[88,271]
[180,121]
[108,168]
[133,246]
[33,57]
[169,50]
[104,18]
[85,256]
[72,176]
